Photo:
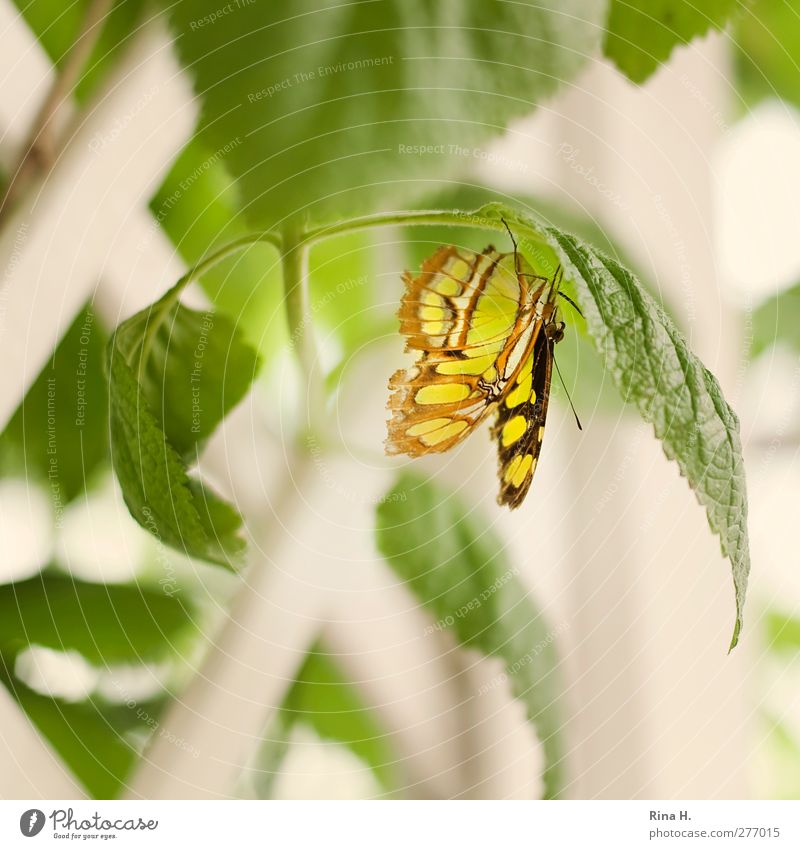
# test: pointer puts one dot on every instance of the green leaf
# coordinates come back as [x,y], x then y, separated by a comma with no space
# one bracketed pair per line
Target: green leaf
[174,374]
[323,699]
[766,42]
[385,97]
[655,370]
[59,433]
[455,565]
[777,320]
[57,25]
[106,623]
[95,740]
[641,34]
[194,370]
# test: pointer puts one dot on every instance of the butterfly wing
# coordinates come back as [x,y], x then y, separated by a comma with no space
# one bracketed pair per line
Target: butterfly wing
[519,426]
[464,315]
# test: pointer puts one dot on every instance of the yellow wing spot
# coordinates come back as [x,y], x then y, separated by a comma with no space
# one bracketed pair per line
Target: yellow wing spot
[434,328]
[432,313]
[519,394]
[431,299]
[449,286]
[474,365]
[511,468]
[426,427]
[541,433]
[443,433]
[533,397]
[459,269]
[521,472]
[513,430]
[444,393]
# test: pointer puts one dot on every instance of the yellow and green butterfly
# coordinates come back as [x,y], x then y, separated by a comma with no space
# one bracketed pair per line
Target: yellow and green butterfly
[485,326]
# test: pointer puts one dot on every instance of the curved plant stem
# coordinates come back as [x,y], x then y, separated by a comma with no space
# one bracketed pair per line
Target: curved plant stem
[452,218]
[163,306]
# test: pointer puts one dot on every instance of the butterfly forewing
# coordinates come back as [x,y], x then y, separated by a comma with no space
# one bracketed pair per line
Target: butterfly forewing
[475,320]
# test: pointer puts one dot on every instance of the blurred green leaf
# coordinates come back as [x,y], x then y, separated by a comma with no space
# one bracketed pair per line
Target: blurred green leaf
[655,370]
[779,746]
[641,34]
[456,566]
[198,207]
[323,699]
[348,305]
[106,623]
[57,25]
[95,739]
[59,433]
[782,632]
[766,42]
[174,374]
[776,321]
[334,123]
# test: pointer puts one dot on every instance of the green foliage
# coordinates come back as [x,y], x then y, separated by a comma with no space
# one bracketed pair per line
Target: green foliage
[767,43]
[58,24]
[455,565]
[59,433]
[641,34]
[95,739]
[335,122]
[655,370]
[106,623]
[174,374]
[323,699]
[777,320]
[198,206]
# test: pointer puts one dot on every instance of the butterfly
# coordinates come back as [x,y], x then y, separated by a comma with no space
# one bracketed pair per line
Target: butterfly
[484,326]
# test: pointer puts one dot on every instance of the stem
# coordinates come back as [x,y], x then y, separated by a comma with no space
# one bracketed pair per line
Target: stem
[452,218]
[39,151]
[298,316]
[163,306]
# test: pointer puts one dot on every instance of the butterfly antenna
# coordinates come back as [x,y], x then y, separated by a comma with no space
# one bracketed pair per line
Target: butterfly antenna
[514,243]
[572,304]
[574,412]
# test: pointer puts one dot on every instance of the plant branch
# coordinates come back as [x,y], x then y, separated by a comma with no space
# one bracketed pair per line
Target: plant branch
[163,306]
[453,218]
[39,151]
[298,316]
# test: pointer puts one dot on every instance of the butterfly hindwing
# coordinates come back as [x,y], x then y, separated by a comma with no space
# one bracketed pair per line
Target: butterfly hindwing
[520,422]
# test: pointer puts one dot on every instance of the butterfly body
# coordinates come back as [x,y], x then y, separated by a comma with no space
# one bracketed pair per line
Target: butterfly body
[484,326]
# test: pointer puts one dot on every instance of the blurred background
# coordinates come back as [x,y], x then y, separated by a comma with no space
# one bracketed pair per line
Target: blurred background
[130,670]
